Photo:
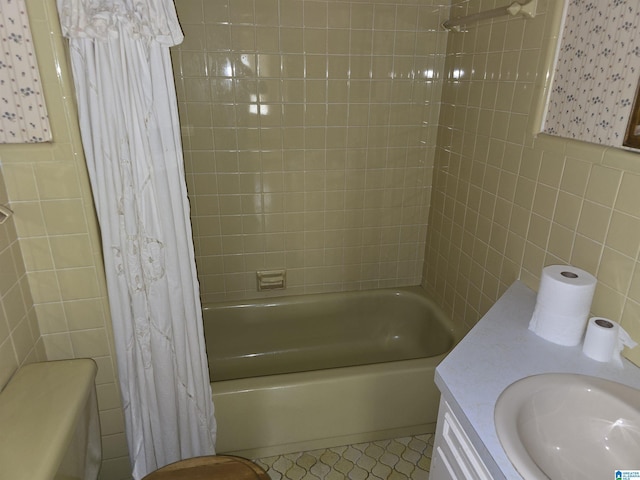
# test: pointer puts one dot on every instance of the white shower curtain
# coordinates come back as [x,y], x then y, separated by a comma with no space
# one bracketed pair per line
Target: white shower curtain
[130,133]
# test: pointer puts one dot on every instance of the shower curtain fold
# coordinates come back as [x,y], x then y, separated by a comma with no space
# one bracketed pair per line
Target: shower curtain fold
[131,137]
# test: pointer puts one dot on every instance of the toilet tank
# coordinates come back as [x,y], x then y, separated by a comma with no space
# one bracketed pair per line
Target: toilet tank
[49,426]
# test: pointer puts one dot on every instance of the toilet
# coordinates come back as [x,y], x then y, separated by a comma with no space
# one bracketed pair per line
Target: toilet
[49,422]
[213,467]
[50,429]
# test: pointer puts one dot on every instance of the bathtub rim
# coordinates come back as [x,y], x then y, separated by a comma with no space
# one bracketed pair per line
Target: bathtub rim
[273,300]
[281,380]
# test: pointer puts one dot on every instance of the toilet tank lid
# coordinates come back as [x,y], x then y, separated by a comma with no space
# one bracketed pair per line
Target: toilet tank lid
[39,410]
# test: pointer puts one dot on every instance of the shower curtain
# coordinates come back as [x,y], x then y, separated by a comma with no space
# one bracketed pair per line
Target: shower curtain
[129,126]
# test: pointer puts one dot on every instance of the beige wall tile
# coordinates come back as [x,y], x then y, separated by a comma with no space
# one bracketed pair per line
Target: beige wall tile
[603,185]
[36,253]
[112,446]
[624,234]
[57,180]
[58,346]
[44,286]
[84,313]
[22,183]
[55,315]
[78,283]
[594,221]
[70,251]
[90,343]
[575,176]
[29,219]
[64,217]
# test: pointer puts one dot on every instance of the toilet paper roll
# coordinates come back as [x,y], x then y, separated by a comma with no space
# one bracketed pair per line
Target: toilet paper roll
[563,304]
[605,339]
[561,329]
[566,290]
[601,339]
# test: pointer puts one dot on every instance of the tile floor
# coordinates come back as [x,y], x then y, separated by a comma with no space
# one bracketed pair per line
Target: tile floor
[397,459]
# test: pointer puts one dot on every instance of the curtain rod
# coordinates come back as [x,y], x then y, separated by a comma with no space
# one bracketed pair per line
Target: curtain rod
[527,10]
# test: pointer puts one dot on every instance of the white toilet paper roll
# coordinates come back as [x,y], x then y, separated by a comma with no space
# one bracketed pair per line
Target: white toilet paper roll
[563,304]
[566,290]
[561,329]
[605,339]
[601,339]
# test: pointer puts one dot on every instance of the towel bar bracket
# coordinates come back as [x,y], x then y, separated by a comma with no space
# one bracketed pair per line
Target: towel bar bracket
[526,10]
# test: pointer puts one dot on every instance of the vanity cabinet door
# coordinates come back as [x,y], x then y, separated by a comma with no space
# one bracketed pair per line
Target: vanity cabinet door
[454,457]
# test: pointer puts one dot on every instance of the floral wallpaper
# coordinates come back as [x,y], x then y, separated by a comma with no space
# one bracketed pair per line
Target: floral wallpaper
[23,114]
[597,71]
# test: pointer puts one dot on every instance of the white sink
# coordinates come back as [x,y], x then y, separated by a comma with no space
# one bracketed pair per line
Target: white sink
[569,426]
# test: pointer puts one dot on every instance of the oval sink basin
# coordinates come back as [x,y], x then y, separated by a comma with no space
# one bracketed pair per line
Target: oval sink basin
[569,426]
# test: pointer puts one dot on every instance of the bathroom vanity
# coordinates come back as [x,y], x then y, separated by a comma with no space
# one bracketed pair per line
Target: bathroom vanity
[497,352]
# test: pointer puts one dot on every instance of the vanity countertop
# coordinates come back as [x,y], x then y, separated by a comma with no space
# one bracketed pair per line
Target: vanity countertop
[498,351]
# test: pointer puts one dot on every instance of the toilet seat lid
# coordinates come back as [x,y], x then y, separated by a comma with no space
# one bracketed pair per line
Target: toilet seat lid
[214,467]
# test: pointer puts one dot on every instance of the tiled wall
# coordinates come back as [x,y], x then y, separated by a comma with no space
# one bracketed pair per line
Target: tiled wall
[505,205]
[309,130]
[20,341]
[48,189]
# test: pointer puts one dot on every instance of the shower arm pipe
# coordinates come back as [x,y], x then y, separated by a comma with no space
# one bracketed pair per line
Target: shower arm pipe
[527,10]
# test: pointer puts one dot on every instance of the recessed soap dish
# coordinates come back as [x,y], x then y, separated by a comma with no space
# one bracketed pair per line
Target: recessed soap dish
[271,279]
[5,212]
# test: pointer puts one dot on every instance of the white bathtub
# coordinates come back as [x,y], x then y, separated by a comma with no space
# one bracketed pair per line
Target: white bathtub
[313,371]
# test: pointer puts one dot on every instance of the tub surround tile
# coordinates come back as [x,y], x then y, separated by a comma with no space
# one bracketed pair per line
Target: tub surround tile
[274,84]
